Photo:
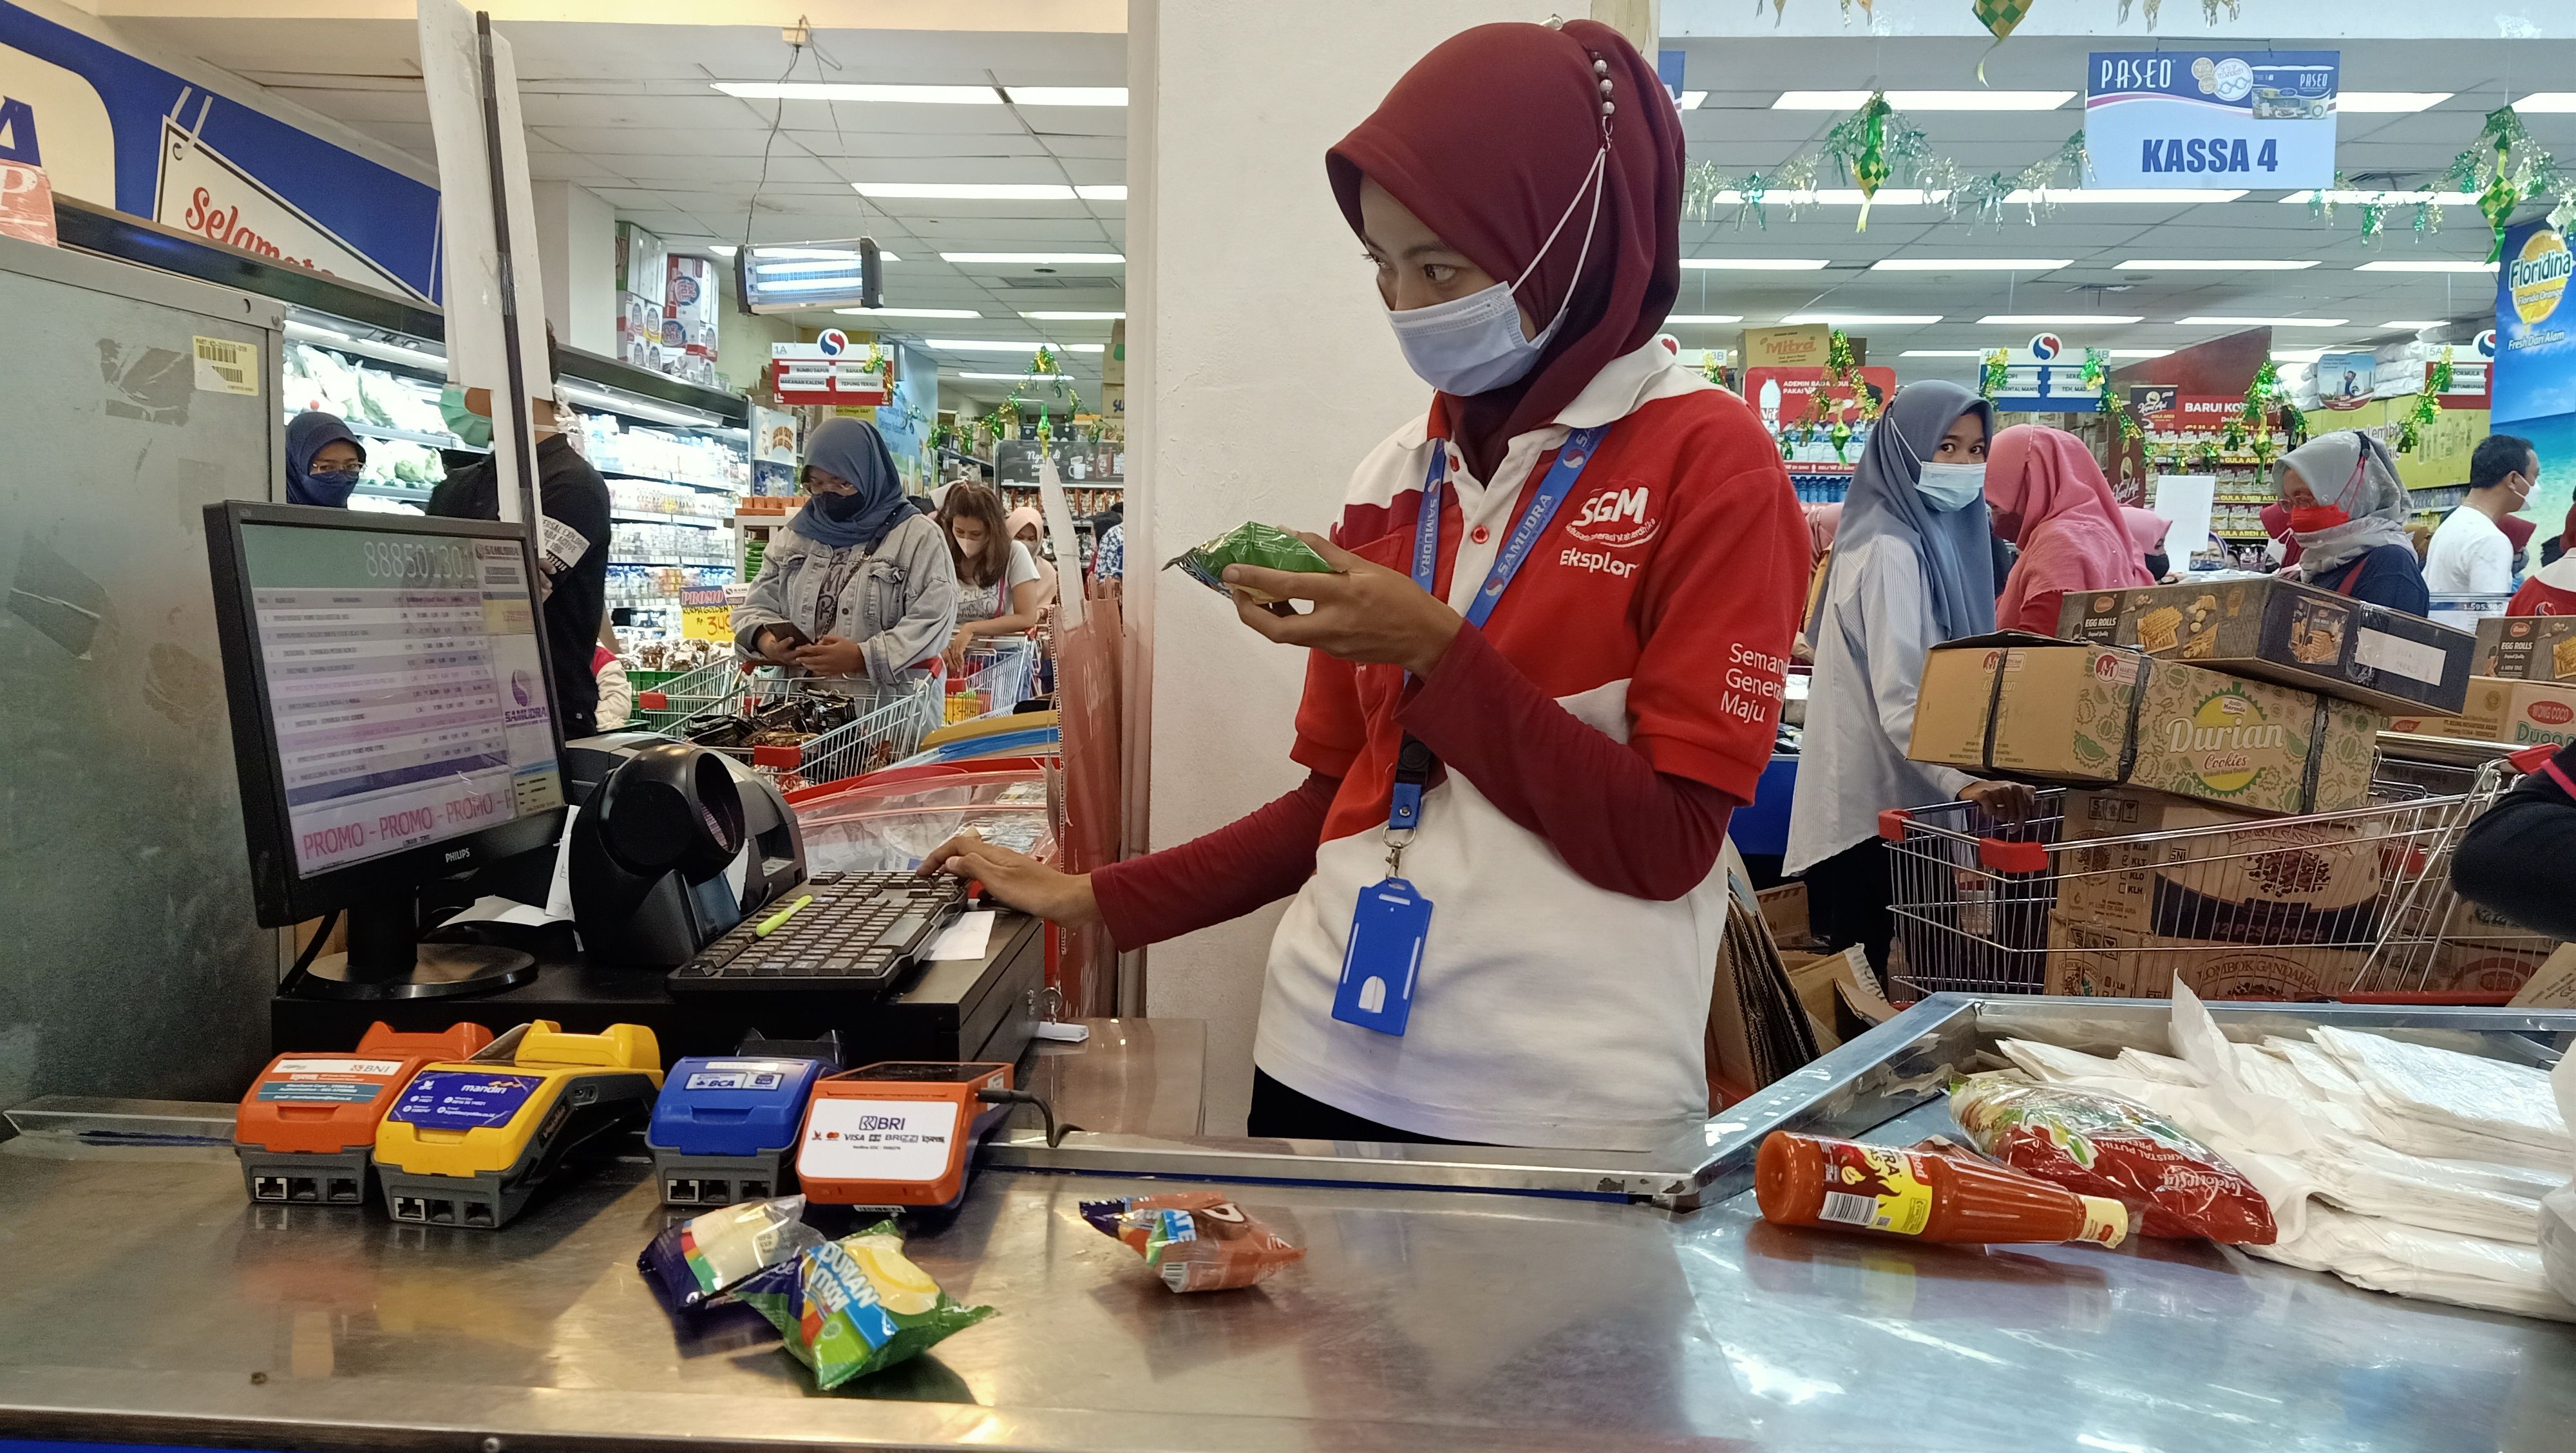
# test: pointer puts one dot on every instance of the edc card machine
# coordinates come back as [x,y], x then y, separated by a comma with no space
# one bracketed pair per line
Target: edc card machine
[725,1128]
[469,1141]
[899,1134]
[306,1131]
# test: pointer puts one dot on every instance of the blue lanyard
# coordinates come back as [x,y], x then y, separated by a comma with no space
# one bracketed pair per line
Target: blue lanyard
[1413,763]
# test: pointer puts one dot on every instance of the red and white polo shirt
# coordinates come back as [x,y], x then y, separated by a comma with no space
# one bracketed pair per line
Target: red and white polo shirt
[1657,607]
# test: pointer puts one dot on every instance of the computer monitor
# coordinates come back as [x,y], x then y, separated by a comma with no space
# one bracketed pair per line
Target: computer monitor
[393,723]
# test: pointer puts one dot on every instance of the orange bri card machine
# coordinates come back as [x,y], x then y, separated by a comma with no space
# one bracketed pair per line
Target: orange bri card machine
[899,1134]
[306,1131]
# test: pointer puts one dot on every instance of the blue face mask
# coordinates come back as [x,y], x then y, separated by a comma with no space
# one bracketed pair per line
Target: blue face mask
[1948,487]
[468,426]
[1474,344]
[330,488]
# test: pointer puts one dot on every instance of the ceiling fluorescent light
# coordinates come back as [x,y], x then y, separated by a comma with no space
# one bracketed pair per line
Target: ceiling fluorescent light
[1692,100]
[2547,101]
[2348,198]
[1755,264]
[1941,353]
[1885,320]
[968,191]
[1970,264]
[907,312]
[1688,319]
[2057,320]
[1040,258]
[2297,355]
[1978,100]
[844,254]
[2415,265]
[1840,197]
[1004,345]
[2381,103]
[1074,317]
[844,91]
[1110,192]
[2215,322]
[1067,95]
[2136,196]
[2139,352]
[2415,323]
[2216,264]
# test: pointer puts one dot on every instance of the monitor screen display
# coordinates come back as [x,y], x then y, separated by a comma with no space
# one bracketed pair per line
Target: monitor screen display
[406,686]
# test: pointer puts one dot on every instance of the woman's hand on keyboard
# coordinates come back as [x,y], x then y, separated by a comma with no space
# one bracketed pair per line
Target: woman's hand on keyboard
[1017,879]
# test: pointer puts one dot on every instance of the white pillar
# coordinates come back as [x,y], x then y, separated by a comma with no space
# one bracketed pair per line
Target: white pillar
[576,256]
[1260,370]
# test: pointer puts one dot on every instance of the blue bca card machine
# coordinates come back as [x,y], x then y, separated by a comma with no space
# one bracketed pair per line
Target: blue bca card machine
[1385,955]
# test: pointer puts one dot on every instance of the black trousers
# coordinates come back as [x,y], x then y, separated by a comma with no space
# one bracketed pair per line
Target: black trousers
[1280,1113]
[1847,898]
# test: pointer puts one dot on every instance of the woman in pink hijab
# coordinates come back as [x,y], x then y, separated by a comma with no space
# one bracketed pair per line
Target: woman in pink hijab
[2147,531]
[2048,497]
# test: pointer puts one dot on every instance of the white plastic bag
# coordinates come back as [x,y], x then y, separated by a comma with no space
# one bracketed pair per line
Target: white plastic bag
[2558,1208]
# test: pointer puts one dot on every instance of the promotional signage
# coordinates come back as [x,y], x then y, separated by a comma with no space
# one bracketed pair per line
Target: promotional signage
[115,131]
[2192,119]
[829,370]
[2348,380]
[2189,413]
[2045,378]
[2535,358]
[1784,395]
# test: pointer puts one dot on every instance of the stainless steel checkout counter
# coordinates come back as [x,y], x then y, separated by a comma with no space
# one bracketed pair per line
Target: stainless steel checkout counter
[1525,1301]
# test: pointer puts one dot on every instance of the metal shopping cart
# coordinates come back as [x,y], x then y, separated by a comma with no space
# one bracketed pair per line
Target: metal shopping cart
[808,732]
[660,708]
[998,676]
[2353,903]
[2438,945]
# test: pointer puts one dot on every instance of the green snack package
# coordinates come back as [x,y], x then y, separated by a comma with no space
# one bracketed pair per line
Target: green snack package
[855,1306]
[1267,546]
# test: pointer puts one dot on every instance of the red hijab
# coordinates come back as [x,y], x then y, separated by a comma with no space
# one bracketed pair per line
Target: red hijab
[1487,139]
[2043,485]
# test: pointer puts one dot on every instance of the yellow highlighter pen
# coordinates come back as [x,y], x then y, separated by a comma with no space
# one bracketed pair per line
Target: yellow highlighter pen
[770,924]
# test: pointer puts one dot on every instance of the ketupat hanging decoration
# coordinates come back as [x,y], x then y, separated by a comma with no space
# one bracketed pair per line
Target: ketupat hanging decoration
[2097,376]
[1706,190]
[1997,371]
[1842,370]
[2505,168]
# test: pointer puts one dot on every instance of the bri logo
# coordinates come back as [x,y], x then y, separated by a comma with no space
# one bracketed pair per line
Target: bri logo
[1616,518]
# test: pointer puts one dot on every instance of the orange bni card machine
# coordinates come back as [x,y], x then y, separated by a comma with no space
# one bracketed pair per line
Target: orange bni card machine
[306,1131]
[899,1134]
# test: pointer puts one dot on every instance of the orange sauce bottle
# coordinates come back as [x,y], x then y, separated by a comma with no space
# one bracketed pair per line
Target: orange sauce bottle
[1801,1180]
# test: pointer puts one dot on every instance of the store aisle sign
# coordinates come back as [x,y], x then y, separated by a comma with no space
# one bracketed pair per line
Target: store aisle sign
[101,123]
[2191,119]
[2535,356]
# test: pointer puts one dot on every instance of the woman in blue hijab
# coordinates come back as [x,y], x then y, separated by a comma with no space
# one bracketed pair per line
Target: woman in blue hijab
[859,588]
[322,460]
[1911,568]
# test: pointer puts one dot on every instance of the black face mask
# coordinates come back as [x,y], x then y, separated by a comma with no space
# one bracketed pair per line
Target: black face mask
[843,507]
[2159,565]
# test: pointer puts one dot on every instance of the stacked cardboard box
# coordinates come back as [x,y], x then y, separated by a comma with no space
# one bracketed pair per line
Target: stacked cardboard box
[2527,648]
[2068,711]
[642,273]
[2502,709]
[2284,632]
[690,303]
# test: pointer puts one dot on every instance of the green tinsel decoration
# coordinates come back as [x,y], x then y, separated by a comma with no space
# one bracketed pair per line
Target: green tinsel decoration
[2504,168]
[1997,371]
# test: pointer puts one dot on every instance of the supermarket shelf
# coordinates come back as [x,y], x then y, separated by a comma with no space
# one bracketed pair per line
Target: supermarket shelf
[408,436]
[664,479]
[415,494]
[615,559]
[658,517]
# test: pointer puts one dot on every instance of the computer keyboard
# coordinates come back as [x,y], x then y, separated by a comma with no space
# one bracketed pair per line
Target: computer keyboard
[861,931]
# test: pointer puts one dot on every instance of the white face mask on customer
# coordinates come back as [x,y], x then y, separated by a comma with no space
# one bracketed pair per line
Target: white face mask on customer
[1473,344]
[1948,487]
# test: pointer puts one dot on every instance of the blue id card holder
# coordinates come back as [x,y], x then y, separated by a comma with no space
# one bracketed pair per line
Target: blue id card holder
[1384,958]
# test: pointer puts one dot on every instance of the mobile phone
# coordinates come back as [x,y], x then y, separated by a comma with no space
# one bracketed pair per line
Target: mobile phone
[791,638]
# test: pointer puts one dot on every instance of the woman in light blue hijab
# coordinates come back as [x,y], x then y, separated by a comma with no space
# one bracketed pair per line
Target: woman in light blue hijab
[1912,568]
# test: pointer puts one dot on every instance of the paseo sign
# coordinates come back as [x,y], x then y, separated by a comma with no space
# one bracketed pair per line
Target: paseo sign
[2185,119]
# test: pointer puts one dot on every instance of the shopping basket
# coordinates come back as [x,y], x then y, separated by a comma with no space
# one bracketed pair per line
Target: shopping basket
[685,694]
[2343,904]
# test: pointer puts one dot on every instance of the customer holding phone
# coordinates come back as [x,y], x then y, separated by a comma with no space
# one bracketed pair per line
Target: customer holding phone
[858,587]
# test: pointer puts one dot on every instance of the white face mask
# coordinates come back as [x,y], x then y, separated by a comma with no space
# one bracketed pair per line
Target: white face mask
[1472,344]
[1948,487]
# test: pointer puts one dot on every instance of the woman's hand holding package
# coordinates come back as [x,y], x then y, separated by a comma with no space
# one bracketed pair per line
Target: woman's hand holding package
[1362,612]
[834,656]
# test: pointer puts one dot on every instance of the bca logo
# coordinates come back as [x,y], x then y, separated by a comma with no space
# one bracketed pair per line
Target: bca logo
[1615,518]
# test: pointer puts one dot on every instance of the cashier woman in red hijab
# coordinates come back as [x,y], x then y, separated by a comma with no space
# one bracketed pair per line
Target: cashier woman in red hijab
[1548,663]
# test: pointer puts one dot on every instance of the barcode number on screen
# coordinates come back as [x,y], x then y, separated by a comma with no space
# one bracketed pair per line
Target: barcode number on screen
[1849,1209]
[227,367]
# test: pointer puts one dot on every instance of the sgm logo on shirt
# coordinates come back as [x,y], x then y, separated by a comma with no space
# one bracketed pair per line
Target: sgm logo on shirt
[1614,519]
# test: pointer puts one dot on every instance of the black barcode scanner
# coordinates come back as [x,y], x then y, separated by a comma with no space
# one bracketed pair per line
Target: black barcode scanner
[653,846]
